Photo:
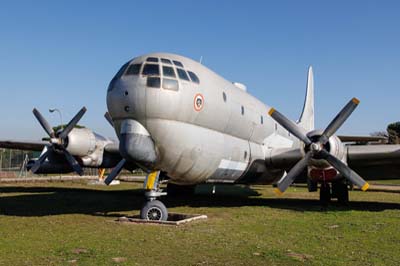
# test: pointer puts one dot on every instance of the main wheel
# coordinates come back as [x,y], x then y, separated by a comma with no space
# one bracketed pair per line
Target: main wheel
[154,210]
[341,192]
[325,195]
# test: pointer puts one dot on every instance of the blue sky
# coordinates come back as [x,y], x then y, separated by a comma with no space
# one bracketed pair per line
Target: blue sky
[63,54]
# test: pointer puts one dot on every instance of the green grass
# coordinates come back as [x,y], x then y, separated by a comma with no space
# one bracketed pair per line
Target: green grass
[386,182]
[72,224]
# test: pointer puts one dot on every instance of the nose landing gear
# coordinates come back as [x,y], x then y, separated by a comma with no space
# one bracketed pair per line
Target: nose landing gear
[153,209]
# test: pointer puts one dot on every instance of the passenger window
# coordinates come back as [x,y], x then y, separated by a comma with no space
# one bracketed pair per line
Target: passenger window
[177,63]
[153,82]
[262,120]
[242,110]
[152,59]
[151,70]
[194,78]
[182,74]
[170,84]
[168,71]
[133,69]
[224,96]
[166,61]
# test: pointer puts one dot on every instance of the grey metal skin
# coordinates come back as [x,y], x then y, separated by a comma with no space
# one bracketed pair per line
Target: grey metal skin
[218,143]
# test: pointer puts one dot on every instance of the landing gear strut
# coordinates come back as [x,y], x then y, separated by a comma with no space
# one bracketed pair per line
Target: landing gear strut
[153,209]
[339,191]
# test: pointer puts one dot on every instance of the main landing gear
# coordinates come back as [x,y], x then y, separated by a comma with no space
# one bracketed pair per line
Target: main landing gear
[339,190]
[153,209]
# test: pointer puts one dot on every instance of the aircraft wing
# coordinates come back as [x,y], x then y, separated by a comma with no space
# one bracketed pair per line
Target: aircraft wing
[369,161]
[30,145]
[375,161]
[345,138]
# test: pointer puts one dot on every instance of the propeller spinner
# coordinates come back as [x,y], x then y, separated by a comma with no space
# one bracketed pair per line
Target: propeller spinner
[317,148]
[58,140]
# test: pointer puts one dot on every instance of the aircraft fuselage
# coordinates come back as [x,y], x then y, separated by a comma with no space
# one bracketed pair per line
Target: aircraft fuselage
[206,131]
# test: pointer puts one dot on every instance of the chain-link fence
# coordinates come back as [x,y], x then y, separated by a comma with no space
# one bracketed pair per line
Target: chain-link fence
[13,164]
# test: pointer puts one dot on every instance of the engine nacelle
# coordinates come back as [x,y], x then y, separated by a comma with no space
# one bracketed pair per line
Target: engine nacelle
[87,145]
[320,169]
[81,142]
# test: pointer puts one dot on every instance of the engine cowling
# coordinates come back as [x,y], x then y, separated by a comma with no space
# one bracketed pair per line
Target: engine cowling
[320,169]
[81,142]
[87,145]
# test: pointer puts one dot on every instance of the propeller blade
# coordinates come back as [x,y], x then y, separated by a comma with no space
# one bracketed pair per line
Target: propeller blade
[74,121]
[289,126]
[114,173]
[346,171]
[73,162]
[338,121]
[287,180]
[109,118]
[39,161]
[43,122]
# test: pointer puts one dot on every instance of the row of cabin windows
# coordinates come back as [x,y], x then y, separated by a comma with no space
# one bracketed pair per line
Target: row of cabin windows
[165,61]
[168,71]
[242,108]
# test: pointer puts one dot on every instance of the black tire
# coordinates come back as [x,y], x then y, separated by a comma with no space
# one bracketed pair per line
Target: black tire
[154,210]
[312,185]
[341,192]
[325,195]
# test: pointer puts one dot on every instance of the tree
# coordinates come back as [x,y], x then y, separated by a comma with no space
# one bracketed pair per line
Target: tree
[393,130]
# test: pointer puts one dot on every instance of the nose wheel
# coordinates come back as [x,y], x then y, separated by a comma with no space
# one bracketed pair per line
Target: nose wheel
[153,209]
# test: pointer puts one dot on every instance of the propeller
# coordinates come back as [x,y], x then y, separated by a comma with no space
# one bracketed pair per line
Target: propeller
[109,118]
[115,172]
[58,140]
[317,148]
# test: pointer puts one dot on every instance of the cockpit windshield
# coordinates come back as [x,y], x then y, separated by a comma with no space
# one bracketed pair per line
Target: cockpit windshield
[120,72]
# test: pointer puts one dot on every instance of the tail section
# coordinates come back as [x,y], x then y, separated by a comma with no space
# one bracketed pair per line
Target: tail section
[306,120]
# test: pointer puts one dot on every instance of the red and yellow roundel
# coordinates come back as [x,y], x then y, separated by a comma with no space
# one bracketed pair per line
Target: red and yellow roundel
[198,102]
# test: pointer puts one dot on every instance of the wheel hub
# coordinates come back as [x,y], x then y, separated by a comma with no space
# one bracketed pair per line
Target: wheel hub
[154,214]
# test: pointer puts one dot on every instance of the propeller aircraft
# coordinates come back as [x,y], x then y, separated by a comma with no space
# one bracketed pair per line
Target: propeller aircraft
[184,124]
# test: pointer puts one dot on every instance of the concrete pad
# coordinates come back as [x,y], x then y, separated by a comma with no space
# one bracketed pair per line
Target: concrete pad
[173,219]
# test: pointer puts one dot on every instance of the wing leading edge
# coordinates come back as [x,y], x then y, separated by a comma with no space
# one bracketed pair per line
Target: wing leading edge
[23,145]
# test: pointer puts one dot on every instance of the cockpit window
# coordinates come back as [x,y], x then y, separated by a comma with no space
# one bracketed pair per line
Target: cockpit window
[182,74]
[117,76]
[133,69]
[168,71]
[177,63]
[121,71]
[170,84]
[166,61]
[194,77]
[151,70]
[152,59]
[153,82]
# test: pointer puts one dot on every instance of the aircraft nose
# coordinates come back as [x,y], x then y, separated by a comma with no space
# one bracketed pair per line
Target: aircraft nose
[136,144]
[126,99]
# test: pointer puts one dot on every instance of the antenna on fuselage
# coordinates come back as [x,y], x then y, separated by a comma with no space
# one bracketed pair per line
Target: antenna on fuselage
[201,59]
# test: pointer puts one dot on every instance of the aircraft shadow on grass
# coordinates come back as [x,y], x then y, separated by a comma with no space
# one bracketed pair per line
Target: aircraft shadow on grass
[45,201]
